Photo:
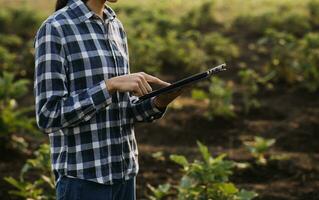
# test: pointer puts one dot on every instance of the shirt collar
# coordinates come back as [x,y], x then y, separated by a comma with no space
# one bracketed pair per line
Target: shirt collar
[84,13]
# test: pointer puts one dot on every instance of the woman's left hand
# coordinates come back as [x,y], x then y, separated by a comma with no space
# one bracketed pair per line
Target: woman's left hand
[163,100]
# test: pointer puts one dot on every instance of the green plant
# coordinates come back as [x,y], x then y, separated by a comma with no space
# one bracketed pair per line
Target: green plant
[160,192]
[219,49]
[181,55]
[12,21]
[313,7]
[43,187]
[251,81]
[6,58]
[202,18]
[18,27]
[11,89]
[259,147]
[283,60]
[14,119]
[219,97]
[309,62]
[206,179]
[294,61]
[11,41]
[281,19]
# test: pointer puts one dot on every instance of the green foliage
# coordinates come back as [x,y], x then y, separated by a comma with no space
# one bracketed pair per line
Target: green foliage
[14,21]
[6,58]
[287,21]
[41,162]
[294,61]
[254,25]
[309,64]
[16,60]
[219,49]
[18,28]
[10,41]
[251,82]
[160,192]
[198,94]
[11,89]
[220,98]
[259,147]
[282,48]
[43,187]
[295,24]
[202,18]
[14,119]
[181,56]
[313,7]
[170,47]
[205,179]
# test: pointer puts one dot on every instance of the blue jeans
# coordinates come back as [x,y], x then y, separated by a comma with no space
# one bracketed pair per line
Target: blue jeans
[77,189]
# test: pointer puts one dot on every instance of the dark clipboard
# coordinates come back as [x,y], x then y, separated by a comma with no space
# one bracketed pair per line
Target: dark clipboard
[184,82]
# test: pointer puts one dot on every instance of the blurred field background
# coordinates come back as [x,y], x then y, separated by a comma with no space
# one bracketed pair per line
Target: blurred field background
[263,113]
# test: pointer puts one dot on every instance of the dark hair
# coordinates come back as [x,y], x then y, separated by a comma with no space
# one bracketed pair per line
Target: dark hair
[62,3]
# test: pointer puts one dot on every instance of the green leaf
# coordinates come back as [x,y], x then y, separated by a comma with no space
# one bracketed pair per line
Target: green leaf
[186,182]
[160,192]
[228,188]
[246,195]
[48,180]
[181,160]
[165,187]
[204,151]
[14,183]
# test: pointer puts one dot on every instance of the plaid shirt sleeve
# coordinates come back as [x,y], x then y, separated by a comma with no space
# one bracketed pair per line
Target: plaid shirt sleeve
[146,111]
[56,108]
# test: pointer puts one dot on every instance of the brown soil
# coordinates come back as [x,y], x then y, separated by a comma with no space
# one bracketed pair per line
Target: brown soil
[289,116]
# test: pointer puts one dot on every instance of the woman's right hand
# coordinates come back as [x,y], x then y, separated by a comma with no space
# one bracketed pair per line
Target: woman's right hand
[137,83]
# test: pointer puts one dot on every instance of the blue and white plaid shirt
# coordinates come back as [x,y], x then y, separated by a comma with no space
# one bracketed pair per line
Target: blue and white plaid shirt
[91,132]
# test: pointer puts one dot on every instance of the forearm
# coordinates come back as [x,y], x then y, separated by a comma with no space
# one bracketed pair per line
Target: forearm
[55,112]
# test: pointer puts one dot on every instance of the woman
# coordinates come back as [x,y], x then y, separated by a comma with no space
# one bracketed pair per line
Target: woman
[86,101]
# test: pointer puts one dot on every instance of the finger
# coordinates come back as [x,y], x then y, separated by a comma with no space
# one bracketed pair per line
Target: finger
[146,85]
[138,92]
[153,79]
[136,89]
[142,87]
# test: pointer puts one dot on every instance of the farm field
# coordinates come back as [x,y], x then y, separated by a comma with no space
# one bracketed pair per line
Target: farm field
[262,113]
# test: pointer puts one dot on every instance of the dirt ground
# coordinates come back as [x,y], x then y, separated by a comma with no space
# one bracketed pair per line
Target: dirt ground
[289,116]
